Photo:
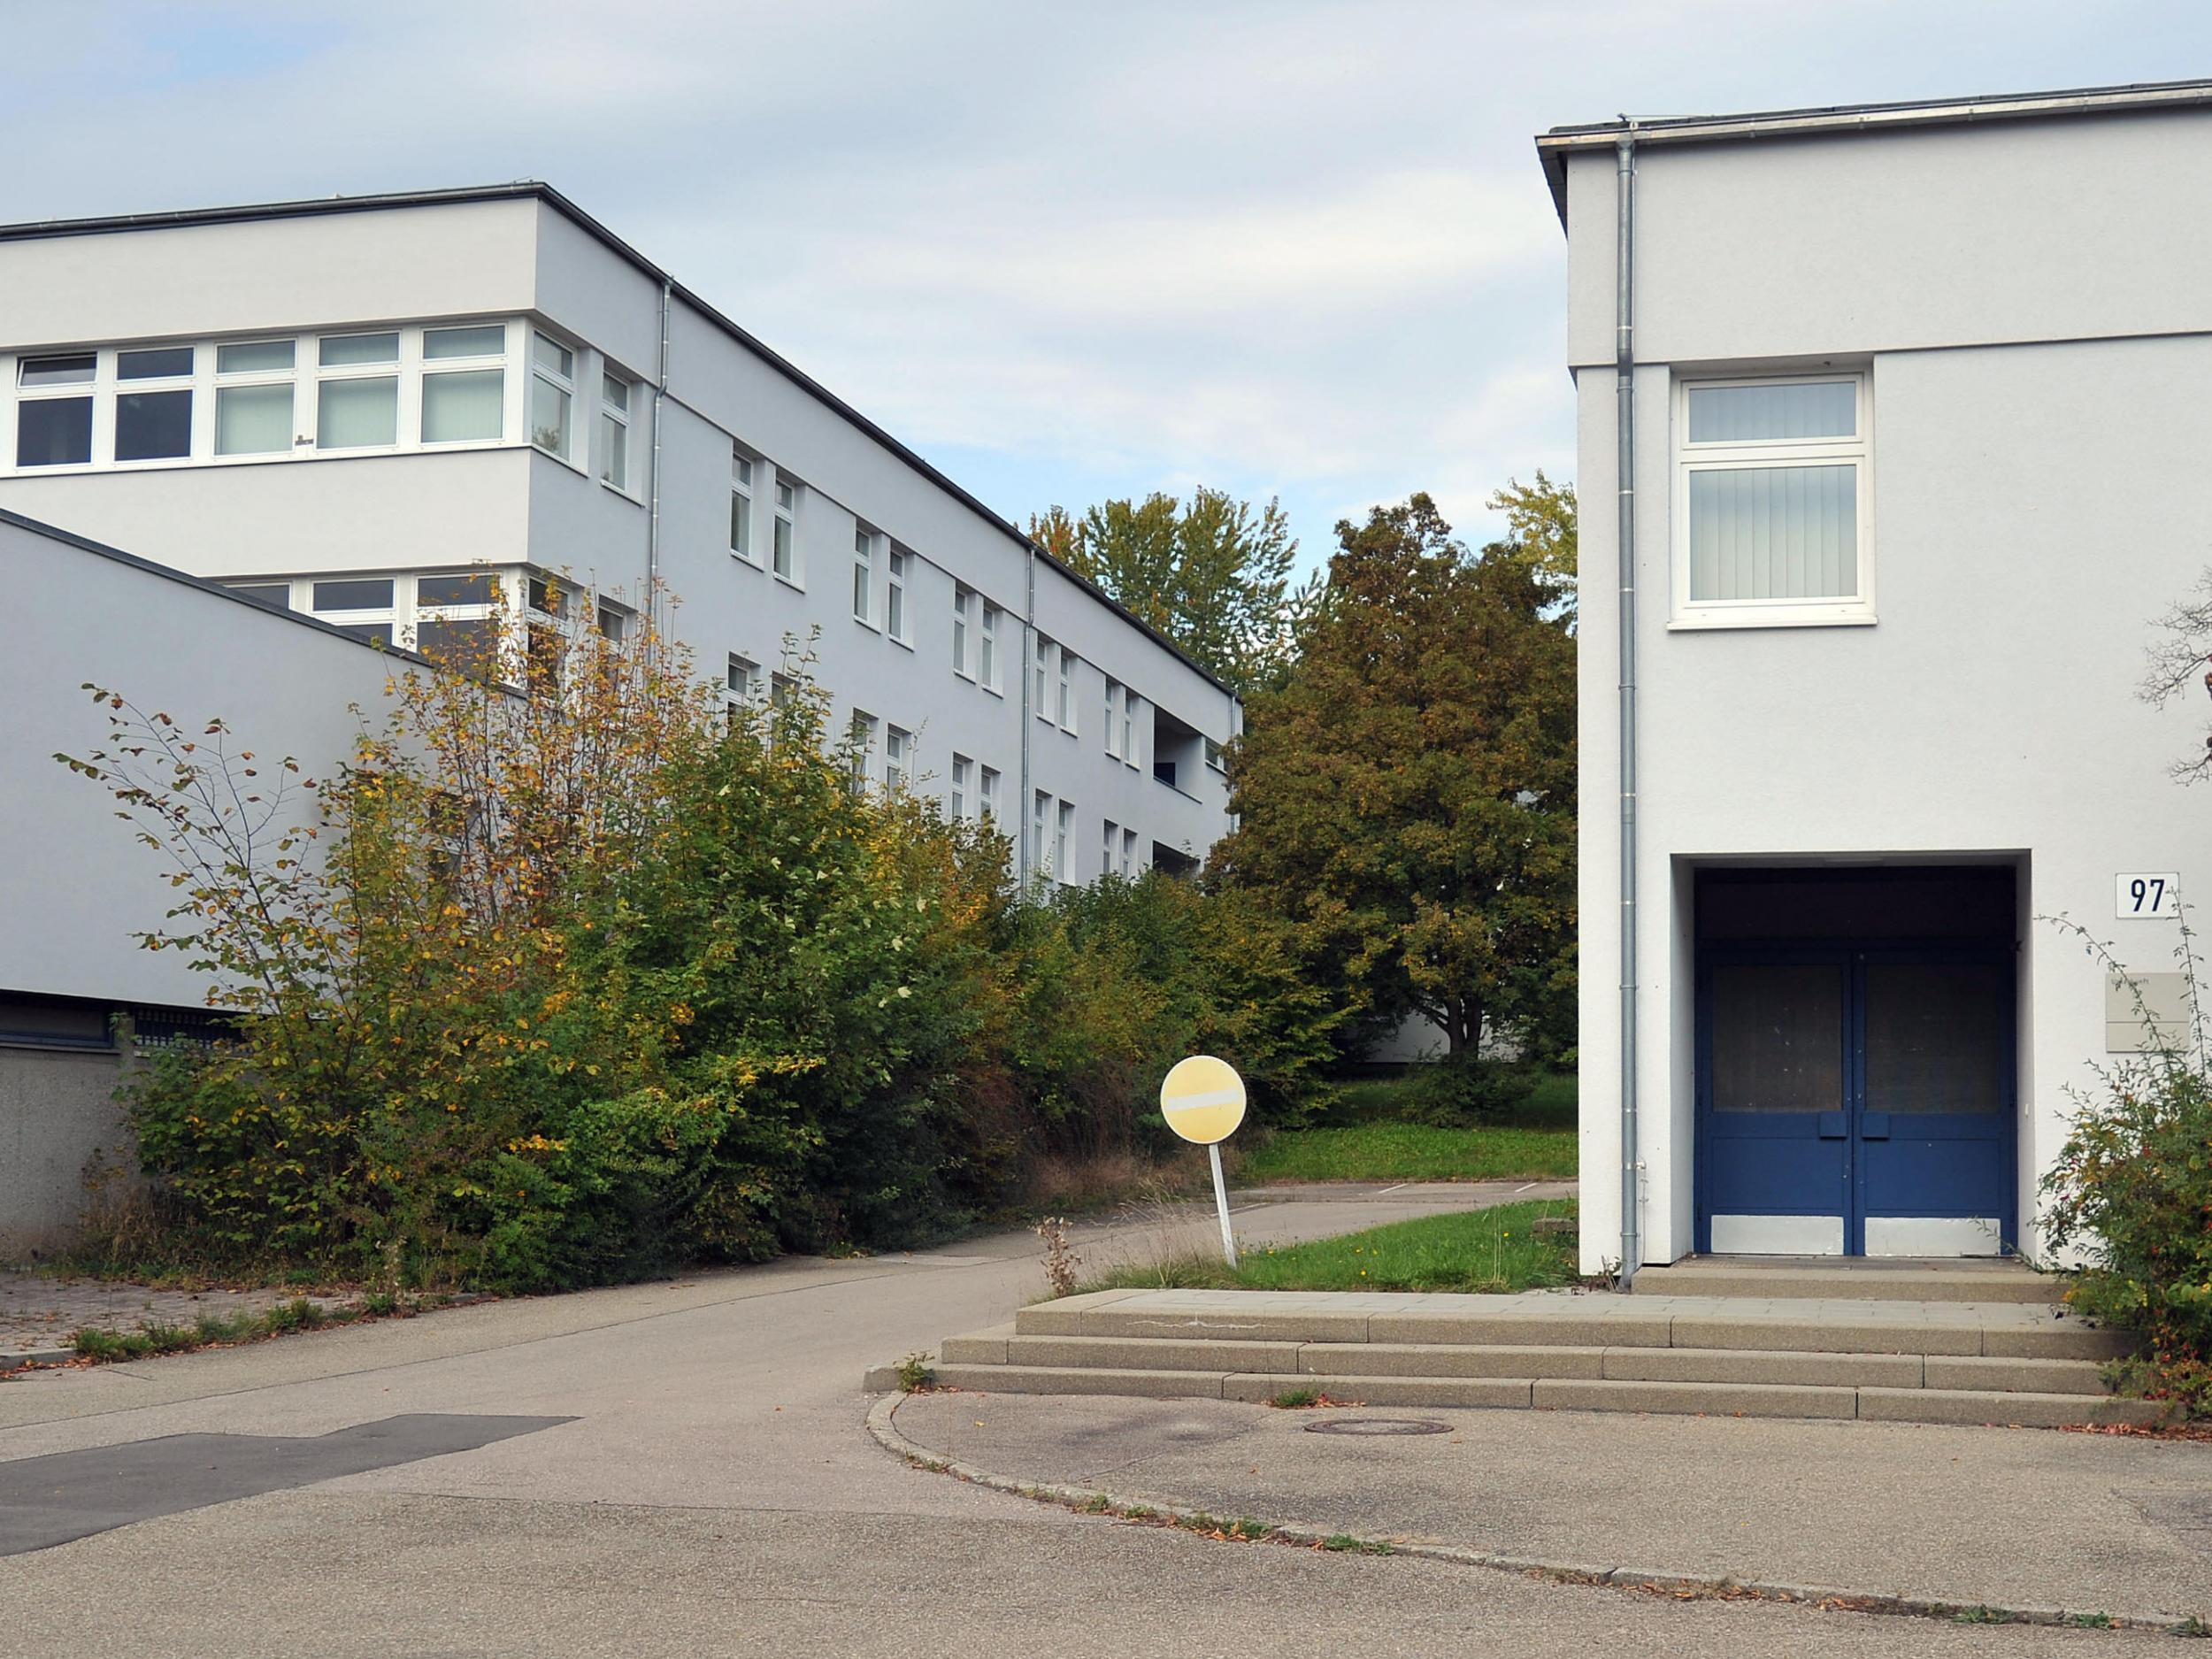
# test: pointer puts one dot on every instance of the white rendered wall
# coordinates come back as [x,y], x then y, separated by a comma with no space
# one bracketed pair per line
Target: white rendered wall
[2034,506]
[79,887]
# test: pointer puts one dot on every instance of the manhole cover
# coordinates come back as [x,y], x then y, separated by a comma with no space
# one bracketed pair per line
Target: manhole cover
[1378,1426]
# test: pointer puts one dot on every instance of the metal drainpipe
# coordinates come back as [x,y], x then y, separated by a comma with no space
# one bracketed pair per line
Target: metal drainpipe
[1625,425]
[1025,819]
[653,511]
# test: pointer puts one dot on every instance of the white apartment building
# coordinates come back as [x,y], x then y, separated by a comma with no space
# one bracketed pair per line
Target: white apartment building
[411,419]
[368,409]
[1902,405]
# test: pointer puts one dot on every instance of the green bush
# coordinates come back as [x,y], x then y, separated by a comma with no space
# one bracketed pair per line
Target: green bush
[1460,1090]
[2132,1190]
[555,992]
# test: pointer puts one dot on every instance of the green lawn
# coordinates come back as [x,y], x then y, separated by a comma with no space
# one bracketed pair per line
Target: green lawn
[1473,1250]
[1411,1152]
[1366,1137]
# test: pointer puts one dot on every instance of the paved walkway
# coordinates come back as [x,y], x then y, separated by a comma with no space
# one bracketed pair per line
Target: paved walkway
[39,1314]
[2020,1518]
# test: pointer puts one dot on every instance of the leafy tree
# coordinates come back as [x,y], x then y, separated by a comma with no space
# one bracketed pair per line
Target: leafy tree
[1540,523]
[1213,575]
[1408,795]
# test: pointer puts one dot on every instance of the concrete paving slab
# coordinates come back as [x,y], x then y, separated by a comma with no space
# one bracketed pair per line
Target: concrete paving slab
[1975,1515]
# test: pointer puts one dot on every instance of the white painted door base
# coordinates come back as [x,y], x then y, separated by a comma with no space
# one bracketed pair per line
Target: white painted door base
[1777,1235]
[1932,1235]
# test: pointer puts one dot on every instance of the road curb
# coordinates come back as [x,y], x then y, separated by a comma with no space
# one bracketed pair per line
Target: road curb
[1093,1499]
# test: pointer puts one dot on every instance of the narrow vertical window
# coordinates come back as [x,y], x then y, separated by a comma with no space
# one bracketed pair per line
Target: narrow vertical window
[956,799]
[864,577]
[1040,678]
[1067,689]
[787,513]
[1040,809]
[987,658]
[1112,849]
[898,752]
[614,432]
[253,398]
[1063,831]
[1129,726]
[895,595]
[465,396]
[1129,853]
[740,506]
[153,404]
[987,792]
[552,394]
[1113,719]
[357,404]
[963,602]
[863,744]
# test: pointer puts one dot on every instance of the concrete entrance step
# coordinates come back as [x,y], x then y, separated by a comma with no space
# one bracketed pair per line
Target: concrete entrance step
[1853,1279]
[1337,1364]
[1566,1393]
[1936,1362]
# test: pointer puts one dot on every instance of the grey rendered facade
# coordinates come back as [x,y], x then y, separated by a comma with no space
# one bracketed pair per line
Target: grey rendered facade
[356,410]
[1883,730]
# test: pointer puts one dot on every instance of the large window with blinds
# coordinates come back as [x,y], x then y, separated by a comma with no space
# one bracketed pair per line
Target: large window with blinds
[1771,500]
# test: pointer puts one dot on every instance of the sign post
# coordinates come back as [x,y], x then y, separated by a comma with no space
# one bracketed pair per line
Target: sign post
[1202,1100]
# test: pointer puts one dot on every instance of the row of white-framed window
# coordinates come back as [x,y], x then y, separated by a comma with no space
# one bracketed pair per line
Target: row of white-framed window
[354,391]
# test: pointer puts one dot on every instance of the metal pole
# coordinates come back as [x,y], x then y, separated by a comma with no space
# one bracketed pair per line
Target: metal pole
[1221,1201]
[1624,423]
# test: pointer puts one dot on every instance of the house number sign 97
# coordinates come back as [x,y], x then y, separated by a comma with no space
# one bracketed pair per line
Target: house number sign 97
[2154,894]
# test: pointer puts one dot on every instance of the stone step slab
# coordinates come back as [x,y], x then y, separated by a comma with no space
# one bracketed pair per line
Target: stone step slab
[1439,1359]
[1568,1394]
[1957,1282]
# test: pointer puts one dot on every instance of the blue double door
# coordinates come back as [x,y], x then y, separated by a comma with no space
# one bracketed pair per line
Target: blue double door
[1857,1100]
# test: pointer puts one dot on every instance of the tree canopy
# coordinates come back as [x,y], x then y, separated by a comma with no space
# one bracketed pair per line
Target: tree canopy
[1408,794]
[1212,574]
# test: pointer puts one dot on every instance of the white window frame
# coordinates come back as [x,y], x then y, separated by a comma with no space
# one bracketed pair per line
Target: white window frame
[406,408]
[1129,866]
[986,782]
[1129,727]
[476,363]
[956,788]
[898,757]
[1751,455]
[613,430]
[1111,846]
[962,607]
[986,665]
[894,612]
[1063,832]
[1039,819]
[865,727]
[783,545]
[1068,660]
[742,543]
[1040,678]
[1113,717]
[865,576]
[743,680]
[221,380]
[559,383]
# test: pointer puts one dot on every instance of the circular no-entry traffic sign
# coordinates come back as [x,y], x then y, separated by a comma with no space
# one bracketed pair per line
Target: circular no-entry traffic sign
[1202,1099]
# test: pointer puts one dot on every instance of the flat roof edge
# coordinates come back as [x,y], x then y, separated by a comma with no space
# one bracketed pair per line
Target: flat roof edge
[538,190]
[1553,147]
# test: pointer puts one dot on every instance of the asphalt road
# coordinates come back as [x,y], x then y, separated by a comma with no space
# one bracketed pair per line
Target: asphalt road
[715,1492]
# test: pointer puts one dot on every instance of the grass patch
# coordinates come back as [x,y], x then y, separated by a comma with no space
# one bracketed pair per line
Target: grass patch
[1383,1151]
[103,1348]
[1473,1250]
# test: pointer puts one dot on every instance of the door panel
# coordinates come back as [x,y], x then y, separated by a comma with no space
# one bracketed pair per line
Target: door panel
[1861,1096]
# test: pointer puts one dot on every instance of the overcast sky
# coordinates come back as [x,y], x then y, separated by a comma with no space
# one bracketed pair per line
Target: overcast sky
[1065,250]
